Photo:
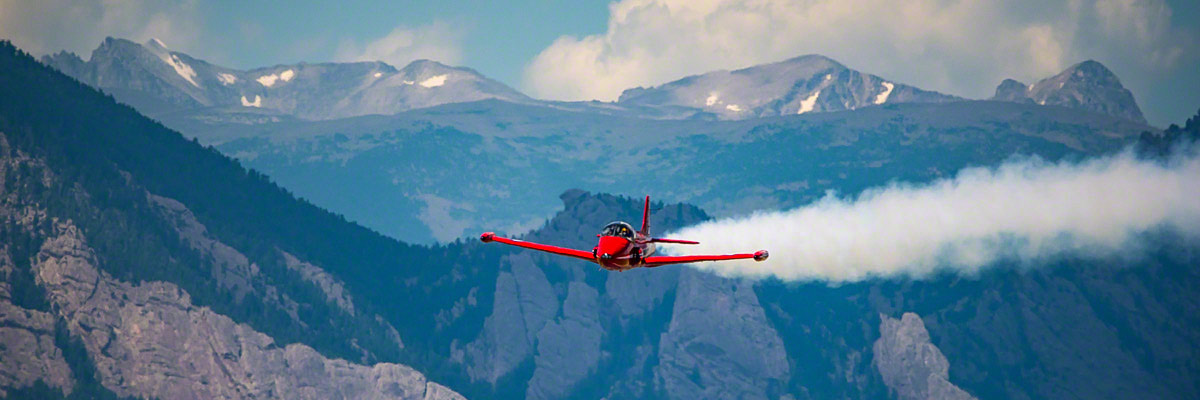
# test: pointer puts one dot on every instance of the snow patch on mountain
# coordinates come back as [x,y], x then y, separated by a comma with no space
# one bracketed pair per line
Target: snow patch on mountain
[779,88]
[734,108]
[182,69]
[378,74]
[268,80]
[226,79]
[887,91]
[807,104]
[434,81]
[256,103]
[156,47]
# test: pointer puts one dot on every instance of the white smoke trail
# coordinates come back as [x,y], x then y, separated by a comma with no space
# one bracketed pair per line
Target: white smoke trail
[1026,210]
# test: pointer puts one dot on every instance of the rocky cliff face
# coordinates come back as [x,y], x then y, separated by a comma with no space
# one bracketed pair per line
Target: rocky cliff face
[1086,86]
[27,343]
[800,85]
[582,331]
[910,365]
[719,344]
[561,328]
[148,339]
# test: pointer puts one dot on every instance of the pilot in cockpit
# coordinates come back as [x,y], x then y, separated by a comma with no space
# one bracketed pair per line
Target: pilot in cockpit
[618,229]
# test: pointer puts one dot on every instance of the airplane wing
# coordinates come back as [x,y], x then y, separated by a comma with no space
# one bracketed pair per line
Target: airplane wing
[563,251]
[658,261]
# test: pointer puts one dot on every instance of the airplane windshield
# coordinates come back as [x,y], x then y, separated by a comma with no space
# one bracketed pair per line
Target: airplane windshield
[618,229]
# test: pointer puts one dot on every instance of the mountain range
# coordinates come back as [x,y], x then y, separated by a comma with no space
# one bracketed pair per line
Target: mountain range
[177,87]
[428,163]
[153,78]
[139,263]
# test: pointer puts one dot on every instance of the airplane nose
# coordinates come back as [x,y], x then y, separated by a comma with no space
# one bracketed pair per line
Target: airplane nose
[610,246]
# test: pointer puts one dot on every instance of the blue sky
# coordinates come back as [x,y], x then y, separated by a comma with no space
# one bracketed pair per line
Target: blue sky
[590,49]
[497,38]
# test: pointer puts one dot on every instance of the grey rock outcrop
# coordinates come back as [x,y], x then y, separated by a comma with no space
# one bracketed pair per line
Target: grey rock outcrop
[720,344]
[568,348]
[148,340]
[27,350]
[1012,90]
[335,291]
[638,291]
[230,268]
[524,302]
[1088,85]
[911,366]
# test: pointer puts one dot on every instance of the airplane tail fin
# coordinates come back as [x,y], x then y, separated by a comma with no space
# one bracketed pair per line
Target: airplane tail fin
[646,218]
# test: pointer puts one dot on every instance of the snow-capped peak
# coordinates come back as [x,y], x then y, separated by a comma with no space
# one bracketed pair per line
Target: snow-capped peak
[155,43]
[185,71]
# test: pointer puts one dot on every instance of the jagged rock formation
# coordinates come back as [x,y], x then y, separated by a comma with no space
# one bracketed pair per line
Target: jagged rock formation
[1086,86]
[148,340]
[910,365]
[27,346]
[810,83]
[702,355]
[568,348]
[1012,90]
[566,317]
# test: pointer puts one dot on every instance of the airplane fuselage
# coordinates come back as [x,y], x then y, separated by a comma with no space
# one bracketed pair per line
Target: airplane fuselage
[617,253]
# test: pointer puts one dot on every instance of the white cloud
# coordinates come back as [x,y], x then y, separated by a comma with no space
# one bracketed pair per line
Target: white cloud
[1027,211]
[437,41]
[47,26]
[962,47]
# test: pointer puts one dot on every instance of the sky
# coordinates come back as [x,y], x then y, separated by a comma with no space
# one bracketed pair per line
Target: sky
[589,49]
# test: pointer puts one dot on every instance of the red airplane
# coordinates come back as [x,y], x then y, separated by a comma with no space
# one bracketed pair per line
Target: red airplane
[621,248]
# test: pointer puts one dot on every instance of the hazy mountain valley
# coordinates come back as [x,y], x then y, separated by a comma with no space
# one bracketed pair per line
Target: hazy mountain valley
[140,263]
[490,158]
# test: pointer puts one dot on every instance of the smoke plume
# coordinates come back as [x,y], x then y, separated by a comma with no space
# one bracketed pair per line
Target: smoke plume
[1026,211]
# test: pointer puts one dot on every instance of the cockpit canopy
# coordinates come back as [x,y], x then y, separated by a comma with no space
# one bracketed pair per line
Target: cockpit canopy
[618,229]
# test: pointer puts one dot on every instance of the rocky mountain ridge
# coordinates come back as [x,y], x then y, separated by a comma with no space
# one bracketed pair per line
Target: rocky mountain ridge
[804,84]
[156,79]
[183,90]
[1088,85]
